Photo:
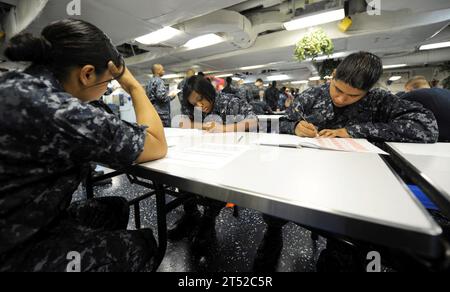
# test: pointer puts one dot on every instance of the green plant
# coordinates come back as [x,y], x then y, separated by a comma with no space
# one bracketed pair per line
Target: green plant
[313,45]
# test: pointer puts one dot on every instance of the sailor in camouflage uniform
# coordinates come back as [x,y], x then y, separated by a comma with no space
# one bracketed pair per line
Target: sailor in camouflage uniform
[47,140]
[229,109]
[218,112]
[348,107]
[379,116]
[159,95]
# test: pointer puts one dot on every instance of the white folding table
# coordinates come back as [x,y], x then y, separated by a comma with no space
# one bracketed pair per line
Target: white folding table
[349,194]
[428,165]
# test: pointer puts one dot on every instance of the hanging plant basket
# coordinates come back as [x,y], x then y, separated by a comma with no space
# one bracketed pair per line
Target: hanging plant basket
[314,45]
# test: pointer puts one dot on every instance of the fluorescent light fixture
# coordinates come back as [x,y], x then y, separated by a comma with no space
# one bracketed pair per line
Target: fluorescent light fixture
[172,76]
[394,66]
[300,82]
[252,67]
[435,46]
[224,75]
[158,36]
[260,66]
[278,77]
[317,19]
[315,78]
[204,41]
[236,79]
[395,78]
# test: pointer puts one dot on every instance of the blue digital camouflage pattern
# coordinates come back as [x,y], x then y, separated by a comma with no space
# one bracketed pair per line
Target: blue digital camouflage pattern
[159,96]
[47,139]
[231,109]
[380,116]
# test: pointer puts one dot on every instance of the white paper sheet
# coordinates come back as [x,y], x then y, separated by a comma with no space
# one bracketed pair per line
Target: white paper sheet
[336,144]
[209,156]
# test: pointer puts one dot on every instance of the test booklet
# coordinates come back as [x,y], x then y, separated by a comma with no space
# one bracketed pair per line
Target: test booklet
[335,144]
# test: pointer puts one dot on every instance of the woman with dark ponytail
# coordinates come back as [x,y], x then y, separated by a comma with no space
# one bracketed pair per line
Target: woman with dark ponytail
[49,134]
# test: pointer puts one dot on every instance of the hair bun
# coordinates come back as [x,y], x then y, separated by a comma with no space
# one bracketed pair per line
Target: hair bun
[25,47]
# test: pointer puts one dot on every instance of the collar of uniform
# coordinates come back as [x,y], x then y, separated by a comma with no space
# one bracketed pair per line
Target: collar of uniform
[44,73]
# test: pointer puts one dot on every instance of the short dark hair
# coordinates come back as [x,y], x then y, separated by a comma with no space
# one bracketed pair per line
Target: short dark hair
[202,87]
[229,81]
[274,84]
[64,45]
[360,70]
[259,80]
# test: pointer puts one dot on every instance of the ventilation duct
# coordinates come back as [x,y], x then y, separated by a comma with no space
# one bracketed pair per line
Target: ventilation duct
[235,27]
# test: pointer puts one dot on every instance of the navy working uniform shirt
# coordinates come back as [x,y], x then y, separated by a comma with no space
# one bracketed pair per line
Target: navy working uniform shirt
[46,138]
[231,106]
[244,93]
[379,116]
[159,96]
[436,100]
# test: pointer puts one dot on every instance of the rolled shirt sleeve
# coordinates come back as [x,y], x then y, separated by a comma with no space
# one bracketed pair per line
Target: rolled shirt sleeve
[94,135]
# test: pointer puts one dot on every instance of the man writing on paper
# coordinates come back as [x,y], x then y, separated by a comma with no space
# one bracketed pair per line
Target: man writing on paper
[348,107]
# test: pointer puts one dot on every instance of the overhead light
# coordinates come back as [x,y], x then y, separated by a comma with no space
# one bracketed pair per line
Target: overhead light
[278,77]
[260,66]
[158,36]
[236,79]
[315,78]
[394,66]
[252,67]
[204,41]
[435,46]
[172,76]
[300,82]
[224,75]
[395,78]
[313,20]
[266,85]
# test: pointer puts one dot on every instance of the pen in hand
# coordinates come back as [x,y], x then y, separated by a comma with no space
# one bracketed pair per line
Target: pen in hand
[302,115]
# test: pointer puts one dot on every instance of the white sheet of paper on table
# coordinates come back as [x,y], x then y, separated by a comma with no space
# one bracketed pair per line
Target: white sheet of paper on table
[209,156]
[175,132]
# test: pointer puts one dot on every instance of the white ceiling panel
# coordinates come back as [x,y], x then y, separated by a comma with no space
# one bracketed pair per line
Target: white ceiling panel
[126,20]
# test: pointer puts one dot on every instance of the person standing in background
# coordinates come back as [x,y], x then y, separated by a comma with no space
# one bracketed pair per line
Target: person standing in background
[271,96]
[159,94]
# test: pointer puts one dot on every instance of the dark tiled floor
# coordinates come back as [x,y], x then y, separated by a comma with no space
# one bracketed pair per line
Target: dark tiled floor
[237,238]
